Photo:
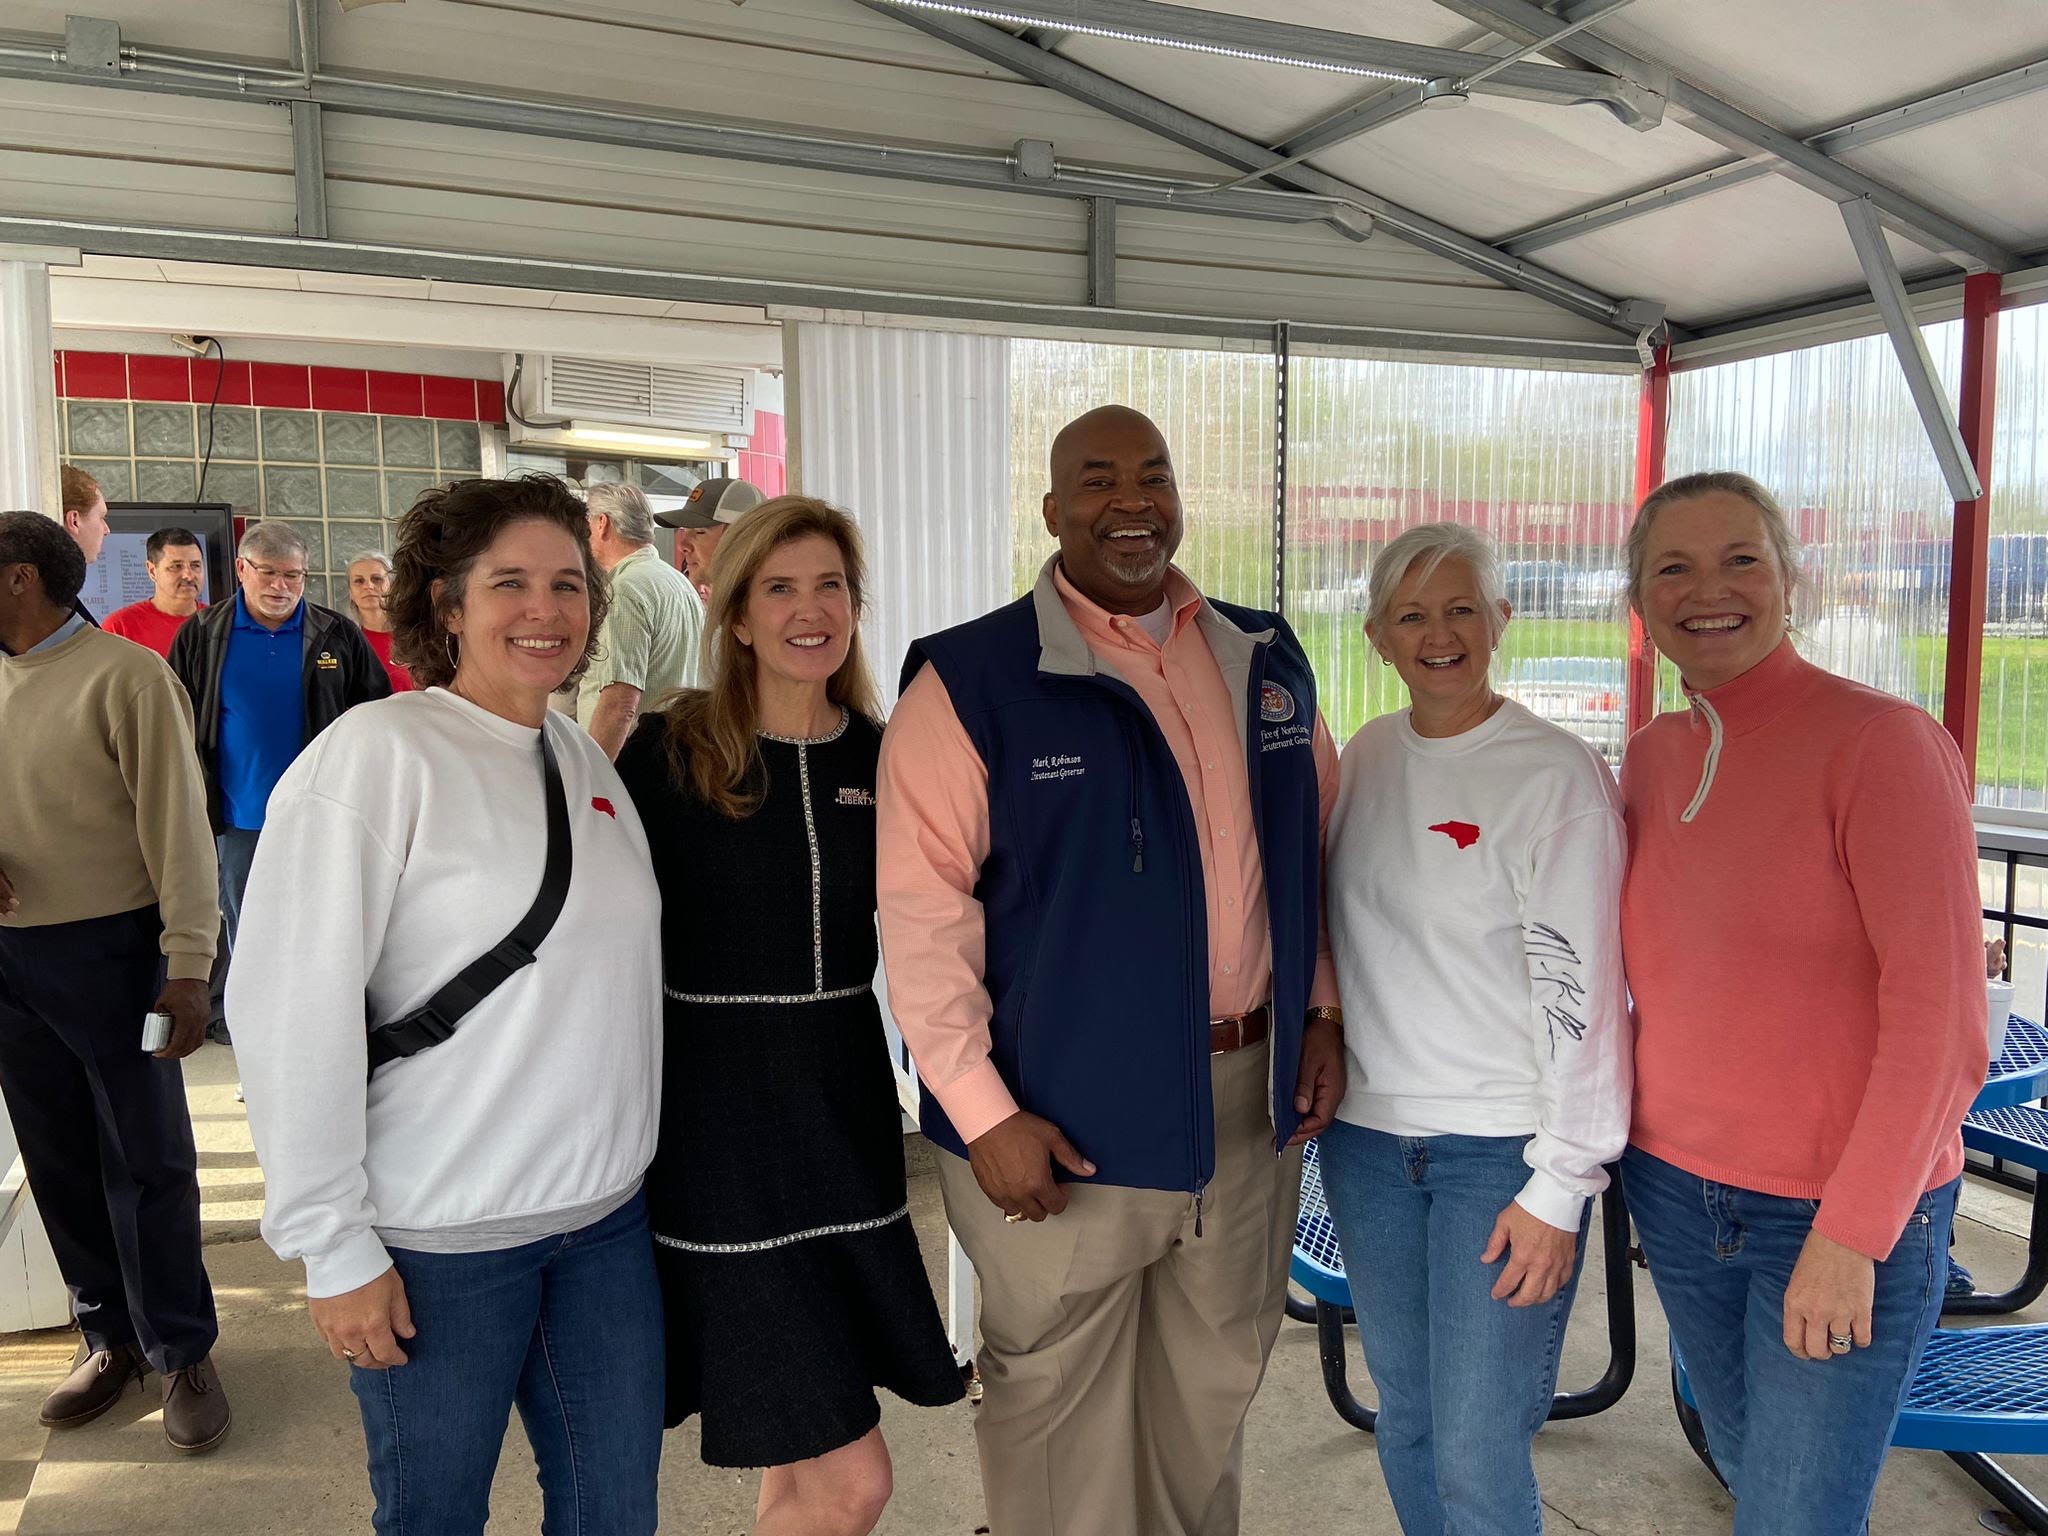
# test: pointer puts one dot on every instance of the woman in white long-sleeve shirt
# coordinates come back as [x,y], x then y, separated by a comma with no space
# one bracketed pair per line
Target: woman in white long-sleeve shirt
[470,1216]
[1473,872]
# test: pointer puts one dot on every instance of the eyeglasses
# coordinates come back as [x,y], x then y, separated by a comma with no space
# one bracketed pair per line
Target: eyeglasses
[271,573]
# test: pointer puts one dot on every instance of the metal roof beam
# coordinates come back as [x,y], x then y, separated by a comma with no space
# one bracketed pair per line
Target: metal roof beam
[1061,74]
[1937,413]
[808,300]
[1250,37]
[1714,118]
[984,170]
[1392,103]
[1854,134]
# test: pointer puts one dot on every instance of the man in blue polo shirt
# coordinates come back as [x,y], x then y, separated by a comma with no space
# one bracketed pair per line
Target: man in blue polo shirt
[267,673]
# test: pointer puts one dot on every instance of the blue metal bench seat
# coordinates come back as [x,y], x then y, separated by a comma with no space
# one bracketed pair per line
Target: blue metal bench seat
[1318,1268]
[2019,1135]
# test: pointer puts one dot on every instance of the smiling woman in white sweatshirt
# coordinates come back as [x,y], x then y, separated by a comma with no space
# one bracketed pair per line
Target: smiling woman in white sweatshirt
[470,1216]
[1472,872]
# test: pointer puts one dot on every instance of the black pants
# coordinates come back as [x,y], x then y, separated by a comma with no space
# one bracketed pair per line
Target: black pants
[105,1135]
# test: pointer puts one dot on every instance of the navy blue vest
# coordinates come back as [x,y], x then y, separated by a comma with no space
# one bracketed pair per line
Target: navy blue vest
[1092,891]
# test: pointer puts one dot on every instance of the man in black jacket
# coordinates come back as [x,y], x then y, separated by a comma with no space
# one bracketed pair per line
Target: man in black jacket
[267,673]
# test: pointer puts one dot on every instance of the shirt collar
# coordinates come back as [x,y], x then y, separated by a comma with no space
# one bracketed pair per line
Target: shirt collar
[245,620]
[1762,693]
[1098,624]
[72,625]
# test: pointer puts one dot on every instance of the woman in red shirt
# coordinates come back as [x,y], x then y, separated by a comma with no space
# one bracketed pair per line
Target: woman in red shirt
[369,578]
[1804,944]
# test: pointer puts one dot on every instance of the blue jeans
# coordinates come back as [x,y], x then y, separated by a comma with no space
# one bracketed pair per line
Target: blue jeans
[1800,1442]
[569,1328]
[1464,1381]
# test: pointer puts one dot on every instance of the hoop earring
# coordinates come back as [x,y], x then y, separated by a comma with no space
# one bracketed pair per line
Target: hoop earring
[1386,661]
[448,645]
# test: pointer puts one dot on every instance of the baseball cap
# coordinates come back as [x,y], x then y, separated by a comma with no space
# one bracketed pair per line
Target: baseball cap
[711,502]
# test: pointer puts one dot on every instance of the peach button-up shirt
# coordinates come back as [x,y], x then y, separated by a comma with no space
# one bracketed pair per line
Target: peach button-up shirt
[933,830]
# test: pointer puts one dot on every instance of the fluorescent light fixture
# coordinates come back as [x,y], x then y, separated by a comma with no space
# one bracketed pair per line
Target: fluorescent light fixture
[1017,18]
[666,442]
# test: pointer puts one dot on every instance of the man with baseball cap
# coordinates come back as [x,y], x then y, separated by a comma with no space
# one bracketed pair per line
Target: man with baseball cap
[714,506]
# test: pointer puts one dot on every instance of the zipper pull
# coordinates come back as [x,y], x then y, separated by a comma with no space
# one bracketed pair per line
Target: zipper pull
[1137,847]
[1198,1213]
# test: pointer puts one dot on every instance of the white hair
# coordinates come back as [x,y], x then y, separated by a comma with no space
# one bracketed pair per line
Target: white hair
[632,517]
[377,555]
[270,540]
[1431,545]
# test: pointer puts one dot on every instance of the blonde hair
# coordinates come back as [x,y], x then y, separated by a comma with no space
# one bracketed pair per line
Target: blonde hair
[710,731]
[1778,534]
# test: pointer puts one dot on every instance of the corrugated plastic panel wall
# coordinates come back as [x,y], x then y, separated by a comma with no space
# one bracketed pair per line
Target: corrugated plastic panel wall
[1541,462]
[2012,721]
[909,431]
[1832,433]
[1216,411]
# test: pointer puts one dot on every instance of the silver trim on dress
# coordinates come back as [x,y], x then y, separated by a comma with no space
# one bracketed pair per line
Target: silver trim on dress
[767,997]
[838,1228]
[817,994]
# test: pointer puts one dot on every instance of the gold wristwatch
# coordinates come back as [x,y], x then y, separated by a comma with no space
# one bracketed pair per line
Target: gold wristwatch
[1326,1011]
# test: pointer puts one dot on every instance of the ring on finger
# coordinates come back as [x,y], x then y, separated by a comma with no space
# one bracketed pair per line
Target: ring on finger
[1013,1216]
[1839,1343]
[348,1354]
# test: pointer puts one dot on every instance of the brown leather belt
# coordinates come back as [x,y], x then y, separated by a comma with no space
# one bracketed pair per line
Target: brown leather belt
[1242,1029]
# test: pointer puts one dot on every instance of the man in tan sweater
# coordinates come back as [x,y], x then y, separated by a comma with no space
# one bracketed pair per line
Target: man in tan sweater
[108,910]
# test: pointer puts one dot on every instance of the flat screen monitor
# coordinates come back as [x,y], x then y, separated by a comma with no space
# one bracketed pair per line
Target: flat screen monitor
[120,576]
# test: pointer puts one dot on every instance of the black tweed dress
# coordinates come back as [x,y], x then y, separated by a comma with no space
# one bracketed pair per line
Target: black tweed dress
[791,1278]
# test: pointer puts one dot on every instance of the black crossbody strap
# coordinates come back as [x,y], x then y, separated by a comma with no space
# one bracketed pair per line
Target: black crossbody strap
[435,1020]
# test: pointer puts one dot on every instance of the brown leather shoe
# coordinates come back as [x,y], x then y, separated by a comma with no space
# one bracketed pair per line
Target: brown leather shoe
[196,1416]
[94,1386]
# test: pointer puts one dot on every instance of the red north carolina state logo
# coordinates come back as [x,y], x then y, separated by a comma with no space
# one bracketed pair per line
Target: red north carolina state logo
[599,803]
[1463,833]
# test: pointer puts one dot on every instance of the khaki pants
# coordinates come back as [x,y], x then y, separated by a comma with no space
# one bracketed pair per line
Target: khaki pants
[1119,1351]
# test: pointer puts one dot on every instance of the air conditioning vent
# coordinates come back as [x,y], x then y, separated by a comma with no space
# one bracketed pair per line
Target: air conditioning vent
[648,395]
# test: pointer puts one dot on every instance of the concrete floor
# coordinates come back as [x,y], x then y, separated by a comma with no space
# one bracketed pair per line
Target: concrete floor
[294,1463]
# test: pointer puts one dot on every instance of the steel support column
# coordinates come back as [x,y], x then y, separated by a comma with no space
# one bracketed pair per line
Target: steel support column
[309,151]
[1937,417]
[1653,418]
[1102,252]
[1283,366]
[1962,687]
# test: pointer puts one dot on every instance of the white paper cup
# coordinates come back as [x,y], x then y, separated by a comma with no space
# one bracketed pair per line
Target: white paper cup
[1998,1007]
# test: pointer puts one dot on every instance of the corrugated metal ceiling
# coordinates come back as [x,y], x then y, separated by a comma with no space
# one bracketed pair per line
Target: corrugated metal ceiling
[841,69]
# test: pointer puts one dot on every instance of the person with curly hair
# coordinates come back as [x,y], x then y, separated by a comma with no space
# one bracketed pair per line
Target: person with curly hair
[469,1214]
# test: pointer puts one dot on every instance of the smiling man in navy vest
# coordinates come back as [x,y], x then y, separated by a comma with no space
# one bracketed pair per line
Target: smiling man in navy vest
[1099,857]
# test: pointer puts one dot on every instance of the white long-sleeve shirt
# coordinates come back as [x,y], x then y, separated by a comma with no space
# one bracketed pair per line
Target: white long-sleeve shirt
[1473,886]
[405,842]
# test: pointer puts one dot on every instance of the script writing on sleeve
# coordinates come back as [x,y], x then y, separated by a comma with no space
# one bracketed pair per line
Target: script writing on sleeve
[1554,967]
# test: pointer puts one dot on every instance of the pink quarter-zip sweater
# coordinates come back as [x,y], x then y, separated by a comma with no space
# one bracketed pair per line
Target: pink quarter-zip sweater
[1804,942]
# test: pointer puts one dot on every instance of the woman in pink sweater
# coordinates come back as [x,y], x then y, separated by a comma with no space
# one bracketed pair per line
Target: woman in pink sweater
[1803,938]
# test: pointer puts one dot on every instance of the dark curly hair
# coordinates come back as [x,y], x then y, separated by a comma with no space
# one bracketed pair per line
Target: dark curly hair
[29,538]
[440,540]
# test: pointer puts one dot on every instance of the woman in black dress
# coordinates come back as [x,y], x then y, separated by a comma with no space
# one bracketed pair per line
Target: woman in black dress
[791,1277]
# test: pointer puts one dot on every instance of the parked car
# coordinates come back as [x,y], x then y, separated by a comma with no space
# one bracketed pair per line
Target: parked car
[1587,695]
[1601,593]
[1535,588]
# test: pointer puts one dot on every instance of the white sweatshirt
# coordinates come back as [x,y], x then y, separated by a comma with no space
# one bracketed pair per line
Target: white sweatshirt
[1473,888]
[407,840]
